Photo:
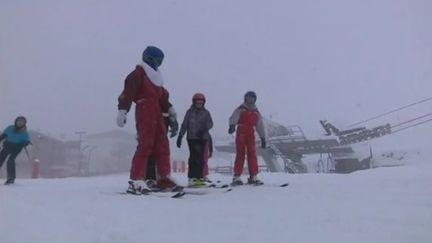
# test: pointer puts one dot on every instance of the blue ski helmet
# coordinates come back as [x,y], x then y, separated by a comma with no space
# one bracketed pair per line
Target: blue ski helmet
[153,56]
[250,94]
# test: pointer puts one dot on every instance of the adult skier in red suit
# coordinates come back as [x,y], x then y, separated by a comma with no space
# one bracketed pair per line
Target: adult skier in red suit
[144,87]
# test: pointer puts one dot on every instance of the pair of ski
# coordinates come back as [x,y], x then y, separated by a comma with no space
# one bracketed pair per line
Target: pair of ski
[179,192]
[182,191]
[224,188]
[176,193]
[202,190]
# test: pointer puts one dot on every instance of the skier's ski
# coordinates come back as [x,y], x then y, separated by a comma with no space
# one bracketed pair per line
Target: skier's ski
[219,186]
[270,185]
[277,185]
[261,184]
[205,190]
[216,185]
[178,194]
[156,194]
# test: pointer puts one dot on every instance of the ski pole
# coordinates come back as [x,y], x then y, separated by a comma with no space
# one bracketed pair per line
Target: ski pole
[27,153]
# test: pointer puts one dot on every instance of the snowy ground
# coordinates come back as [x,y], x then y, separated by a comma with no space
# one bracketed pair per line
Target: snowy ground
[391,204]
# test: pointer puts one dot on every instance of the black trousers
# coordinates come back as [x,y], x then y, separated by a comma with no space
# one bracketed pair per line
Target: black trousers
[151,168]
[11,150]
[196,157]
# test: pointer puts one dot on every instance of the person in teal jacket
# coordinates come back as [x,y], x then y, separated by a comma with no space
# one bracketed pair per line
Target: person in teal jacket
[16,138]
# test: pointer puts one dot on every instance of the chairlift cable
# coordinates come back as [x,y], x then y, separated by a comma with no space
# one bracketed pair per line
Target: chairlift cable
[392,111]
[411,120]
[413,125]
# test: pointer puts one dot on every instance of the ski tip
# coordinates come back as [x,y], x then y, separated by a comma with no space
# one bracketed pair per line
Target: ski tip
[284,185]
[178,194]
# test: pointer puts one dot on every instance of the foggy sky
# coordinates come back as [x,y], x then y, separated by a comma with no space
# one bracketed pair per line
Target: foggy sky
[63,63]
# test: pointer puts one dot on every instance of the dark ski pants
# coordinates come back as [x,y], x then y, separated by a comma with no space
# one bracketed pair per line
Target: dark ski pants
[196,157]
[151,168]
[12,151]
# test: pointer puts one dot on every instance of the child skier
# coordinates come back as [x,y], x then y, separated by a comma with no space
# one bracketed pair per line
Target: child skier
[16,138]
[197,122]
[144,87]
[247,117]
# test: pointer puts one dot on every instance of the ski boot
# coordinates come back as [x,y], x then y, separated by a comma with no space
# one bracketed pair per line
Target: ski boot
[9,181]
[253,180]
[167,184]
[237,181]
[194,182]
[152,184]
[138,187]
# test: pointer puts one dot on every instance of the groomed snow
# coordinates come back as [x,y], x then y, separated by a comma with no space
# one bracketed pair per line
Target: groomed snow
[378,205]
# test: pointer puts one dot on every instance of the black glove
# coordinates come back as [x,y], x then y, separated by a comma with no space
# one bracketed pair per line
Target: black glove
[231,129]
[263,143]
[173,133]
[173,129]
[173,124]
[179,141]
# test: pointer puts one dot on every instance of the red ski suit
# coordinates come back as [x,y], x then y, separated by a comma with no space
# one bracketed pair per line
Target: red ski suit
[246,118]
[151,100]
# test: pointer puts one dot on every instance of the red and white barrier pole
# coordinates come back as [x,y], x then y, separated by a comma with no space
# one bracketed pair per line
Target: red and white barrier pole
[175,166]
[36,169]
[183,166]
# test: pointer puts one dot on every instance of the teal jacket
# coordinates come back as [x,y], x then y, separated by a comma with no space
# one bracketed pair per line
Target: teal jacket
[15,137]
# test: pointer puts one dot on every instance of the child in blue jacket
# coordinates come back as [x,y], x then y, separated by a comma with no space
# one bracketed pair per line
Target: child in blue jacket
[16,138]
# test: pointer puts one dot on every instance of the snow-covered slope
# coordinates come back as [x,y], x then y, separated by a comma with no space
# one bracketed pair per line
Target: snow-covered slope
[378,205]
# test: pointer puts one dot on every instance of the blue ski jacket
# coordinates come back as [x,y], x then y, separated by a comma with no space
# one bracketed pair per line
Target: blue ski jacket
[15,137]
